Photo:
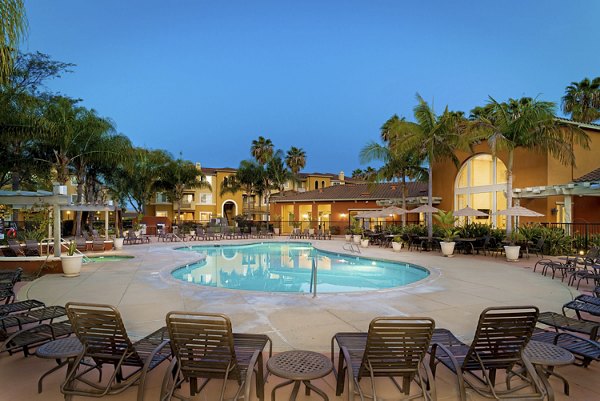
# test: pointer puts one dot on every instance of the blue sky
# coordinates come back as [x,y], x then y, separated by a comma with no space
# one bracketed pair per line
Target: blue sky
[206,78]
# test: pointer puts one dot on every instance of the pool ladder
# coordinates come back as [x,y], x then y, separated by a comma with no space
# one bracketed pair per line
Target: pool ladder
[313,275]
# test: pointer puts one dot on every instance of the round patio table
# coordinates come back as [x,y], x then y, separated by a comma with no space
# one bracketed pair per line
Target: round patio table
[545,356]
[299,367]
[63,350]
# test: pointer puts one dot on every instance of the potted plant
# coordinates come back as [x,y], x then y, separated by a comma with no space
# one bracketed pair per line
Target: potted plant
[397,243]
[356,231]
[119,239]
[71,262]
[512,250]
[348,234]
[277,223]
[447,220]
[364,241]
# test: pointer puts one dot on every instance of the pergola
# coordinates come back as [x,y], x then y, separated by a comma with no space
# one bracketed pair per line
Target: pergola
[58,201]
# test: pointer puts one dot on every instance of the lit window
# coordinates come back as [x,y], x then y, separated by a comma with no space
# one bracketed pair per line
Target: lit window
[205,199]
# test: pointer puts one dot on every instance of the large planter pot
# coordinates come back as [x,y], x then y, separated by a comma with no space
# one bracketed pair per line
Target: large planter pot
[276,230]
[396,246]
[447,248]
[356,239]
[348,237]
[71,265]
[512,252]
[364,243]
[118,243]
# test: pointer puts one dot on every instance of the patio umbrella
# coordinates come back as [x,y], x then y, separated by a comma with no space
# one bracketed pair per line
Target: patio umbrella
[518,211]
[394,210]
[469,211]
[424,209]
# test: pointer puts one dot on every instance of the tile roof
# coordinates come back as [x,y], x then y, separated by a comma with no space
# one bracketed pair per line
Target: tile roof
[592,126]
[591,176]
[213,170]
[354,192]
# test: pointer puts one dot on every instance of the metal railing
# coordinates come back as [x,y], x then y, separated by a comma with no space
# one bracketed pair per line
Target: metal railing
[579,232]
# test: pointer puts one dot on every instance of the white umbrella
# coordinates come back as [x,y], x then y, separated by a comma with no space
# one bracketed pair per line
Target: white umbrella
[394,210]
[424,209]
[469,211]
[369,214]
[518,211]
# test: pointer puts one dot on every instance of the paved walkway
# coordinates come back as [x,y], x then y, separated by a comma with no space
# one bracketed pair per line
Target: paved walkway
[454,294]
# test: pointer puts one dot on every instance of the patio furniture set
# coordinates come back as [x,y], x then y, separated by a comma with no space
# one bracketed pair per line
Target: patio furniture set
[203,346]
[310,234]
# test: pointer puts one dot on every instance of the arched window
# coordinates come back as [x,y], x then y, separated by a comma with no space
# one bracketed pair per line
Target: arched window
[322,184]
[316,184]
[481,184]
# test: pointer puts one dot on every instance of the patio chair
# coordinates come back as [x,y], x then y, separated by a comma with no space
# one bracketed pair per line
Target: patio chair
[538,248]
[394,347]
[98,245]
[501,336]
[32,247]
[81,244]
[15,247]
[585,350]
[204,346]
[584,303]
[27,338]
[105,342]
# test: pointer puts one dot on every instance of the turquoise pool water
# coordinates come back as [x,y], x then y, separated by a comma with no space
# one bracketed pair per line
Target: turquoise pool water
[286,267]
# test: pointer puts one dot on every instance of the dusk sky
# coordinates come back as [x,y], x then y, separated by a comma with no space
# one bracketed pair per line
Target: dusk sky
[206,78]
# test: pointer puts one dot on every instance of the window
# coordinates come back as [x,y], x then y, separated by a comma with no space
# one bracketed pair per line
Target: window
[187,198]
[322,184]
[481,184]
[206,199]
[74,198]
[161,213]
[73,180]
[316,184]
[161,198]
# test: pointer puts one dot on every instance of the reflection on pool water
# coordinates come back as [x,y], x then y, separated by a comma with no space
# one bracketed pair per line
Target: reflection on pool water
[286,267]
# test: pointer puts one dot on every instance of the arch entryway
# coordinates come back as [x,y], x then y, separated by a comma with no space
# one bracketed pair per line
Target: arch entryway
[230,210]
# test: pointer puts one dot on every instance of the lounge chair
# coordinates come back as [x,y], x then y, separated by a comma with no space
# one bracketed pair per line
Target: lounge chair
[25,339]
[501,336]
[15,247]
[562,322]
[394,347]
[81,244]
[105,341]
[586,351]
[584,303]
[32,247]
[204,347]
[98,245]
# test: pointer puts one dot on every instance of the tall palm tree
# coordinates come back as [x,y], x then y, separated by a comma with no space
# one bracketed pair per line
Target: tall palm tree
[582,100]
[13,27]
[262,150]
[433,137]
[277,172]
[145,171]
[357,173]
[386,129]
[525,123]
[295,159]
[179,176]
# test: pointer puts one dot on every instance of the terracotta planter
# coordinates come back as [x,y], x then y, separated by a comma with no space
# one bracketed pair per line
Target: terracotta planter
[396,246]
[71,265]
[512,252]
[447,248]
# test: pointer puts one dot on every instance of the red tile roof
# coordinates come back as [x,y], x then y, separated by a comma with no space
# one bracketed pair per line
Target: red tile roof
[591,176]
[354,192]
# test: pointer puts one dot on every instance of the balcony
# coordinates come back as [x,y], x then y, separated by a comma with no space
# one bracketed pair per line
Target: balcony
[254,209]
[188,205]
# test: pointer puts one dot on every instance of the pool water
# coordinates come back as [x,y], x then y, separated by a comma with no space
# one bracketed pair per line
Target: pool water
[287,267]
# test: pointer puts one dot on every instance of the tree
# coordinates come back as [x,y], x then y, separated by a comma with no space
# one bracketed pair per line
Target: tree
[277,172]
[247,178]
[295,159]
[179,176]
[432,137]
[397,165]
[145,170]
[525,123]
[262,150]
[582,100]
[357,173]
[13,24]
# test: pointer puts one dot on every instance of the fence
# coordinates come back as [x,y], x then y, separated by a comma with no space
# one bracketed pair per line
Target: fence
[584,235]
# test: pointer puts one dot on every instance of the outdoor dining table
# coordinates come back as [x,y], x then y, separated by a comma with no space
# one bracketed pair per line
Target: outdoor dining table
[467,242]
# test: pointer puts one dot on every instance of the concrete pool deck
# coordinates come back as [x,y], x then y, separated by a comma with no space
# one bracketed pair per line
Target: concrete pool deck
[456,292]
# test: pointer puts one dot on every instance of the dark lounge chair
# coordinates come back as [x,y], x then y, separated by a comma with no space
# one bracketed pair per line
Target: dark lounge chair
[501,336]
[105,342]
[81,244]
[394,347]
[586,351]
[98,245]
[204,347]
[32,247]
[15,247]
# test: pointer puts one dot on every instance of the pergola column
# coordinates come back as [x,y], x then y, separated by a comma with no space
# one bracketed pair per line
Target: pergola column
[568,209]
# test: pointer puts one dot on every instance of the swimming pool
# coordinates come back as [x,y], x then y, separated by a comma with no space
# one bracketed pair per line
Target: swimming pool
[287,267]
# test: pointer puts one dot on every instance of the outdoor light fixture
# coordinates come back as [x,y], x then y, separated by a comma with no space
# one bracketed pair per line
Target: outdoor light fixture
[342,214]
[581,252]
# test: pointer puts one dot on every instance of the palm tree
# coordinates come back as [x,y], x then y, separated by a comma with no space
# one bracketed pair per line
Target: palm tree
[145,171]
[582,100]
[13,27]
[386,129]
[247,178]
[433,138]
[357,173]
[179,176]
[295,159]
[277,172]
[525,123]
[262,150]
